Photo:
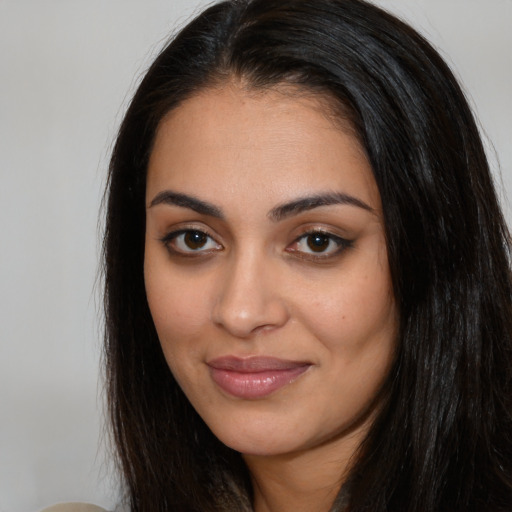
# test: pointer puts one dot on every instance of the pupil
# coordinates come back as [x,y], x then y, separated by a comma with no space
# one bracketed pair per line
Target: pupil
[195,239]
[318,242]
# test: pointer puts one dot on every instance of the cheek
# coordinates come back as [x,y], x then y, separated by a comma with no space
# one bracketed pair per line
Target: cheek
[356,325]
[352,311]
[179,308]
[178,316]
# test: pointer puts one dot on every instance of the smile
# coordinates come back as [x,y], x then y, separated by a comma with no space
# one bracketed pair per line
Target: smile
[254,377]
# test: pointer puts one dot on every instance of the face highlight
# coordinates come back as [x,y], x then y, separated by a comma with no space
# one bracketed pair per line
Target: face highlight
[266,270]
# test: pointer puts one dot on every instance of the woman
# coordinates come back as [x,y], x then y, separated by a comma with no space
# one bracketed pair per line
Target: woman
[307,274]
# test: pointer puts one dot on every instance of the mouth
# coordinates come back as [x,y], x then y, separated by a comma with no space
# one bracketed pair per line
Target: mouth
[254,377]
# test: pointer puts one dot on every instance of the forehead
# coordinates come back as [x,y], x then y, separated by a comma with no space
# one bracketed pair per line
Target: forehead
[270,142]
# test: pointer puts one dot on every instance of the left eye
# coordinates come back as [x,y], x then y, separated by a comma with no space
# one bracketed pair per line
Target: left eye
[190,241]
[319,243]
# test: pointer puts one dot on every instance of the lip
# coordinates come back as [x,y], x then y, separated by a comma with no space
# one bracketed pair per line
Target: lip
[254,377]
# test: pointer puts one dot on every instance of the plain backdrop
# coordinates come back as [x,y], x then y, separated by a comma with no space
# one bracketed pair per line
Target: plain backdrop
[68,69]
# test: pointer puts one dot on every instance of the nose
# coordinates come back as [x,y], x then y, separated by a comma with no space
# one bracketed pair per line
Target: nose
[249,299]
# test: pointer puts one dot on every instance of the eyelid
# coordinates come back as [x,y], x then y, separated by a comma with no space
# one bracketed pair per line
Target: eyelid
[341,242]
[172,235]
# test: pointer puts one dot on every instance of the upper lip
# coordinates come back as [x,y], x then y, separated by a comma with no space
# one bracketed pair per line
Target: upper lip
[254,364]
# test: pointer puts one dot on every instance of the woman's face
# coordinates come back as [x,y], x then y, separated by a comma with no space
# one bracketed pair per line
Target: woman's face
[266,269]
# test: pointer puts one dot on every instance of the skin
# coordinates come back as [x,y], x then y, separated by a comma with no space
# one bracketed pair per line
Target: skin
[253,286]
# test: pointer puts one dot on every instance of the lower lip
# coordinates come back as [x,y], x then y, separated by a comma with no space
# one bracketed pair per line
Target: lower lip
[255,385]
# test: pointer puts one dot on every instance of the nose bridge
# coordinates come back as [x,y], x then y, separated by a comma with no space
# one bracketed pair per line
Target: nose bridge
[249,298]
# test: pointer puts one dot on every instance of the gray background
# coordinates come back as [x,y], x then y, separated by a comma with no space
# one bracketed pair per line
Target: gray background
[67,70]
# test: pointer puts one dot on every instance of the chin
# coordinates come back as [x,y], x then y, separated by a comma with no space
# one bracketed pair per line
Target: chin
[251,440]
[259,447]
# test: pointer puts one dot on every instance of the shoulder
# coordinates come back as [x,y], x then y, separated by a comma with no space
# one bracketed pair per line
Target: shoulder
[74,507]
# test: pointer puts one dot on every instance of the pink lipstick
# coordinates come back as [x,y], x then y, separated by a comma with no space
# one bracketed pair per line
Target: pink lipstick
[254,377]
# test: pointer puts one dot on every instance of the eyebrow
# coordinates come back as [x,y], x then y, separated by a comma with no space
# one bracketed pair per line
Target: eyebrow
[277,214]
[309,203]
[185,201]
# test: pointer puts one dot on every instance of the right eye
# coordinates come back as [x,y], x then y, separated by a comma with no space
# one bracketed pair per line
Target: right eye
[190,242]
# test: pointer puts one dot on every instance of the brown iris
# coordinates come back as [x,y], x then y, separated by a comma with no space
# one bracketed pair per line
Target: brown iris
[195,239]
[318,242]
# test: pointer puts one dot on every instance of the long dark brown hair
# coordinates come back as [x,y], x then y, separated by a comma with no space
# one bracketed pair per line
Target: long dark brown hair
[443,439]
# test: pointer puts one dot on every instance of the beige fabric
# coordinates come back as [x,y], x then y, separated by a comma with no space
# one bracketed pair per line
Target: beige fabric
[74,507]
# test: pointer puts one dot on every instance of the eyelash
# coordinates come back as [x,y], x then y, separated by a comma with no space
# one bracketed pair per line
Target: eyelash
[171,239]
[341,245]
